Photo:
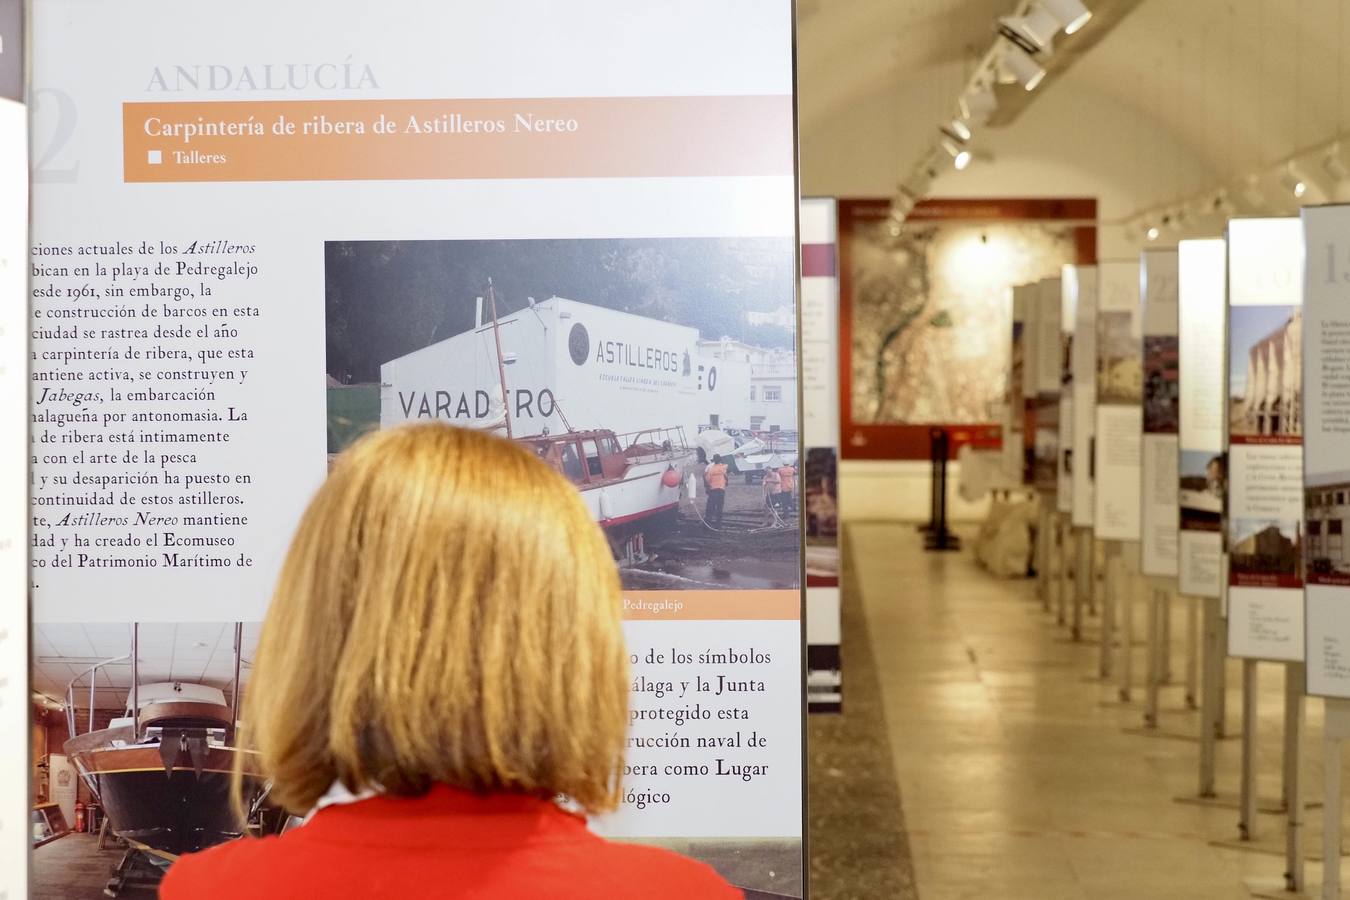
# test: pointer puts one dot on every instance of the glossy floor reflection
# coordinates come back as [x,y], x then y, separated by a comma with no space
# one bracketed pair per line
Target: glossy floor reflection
[1016,775]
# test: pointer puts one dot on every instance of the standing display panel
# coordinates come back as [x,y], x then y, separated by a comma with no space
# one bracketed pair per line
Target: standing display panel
[1201,278]
[1049,365]
[1119,391]
[15,736]
[820,435]
[1265,438]
[1015,457]
[1081,283]
[1158,488]
[1068,308]
[1326,461]
[576,235]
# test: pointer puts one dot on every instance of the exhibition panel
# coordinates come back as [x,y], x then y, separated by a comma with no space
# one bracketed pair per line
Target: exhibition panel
[931,424]
[581,239]
[15,744]
[1326,460]
[1081,281]
[1158,490]
[1119,384]
[820,438]
[1265,437]
[1201,271]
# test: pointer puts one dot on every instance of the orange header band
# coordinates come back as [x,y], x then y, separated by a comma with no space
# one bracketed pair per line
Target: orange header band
[360,140]
[674,606]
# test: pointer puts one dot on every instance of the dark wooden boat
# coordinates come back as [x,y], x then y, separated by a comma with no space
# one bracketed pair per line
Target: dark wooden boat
[163,771]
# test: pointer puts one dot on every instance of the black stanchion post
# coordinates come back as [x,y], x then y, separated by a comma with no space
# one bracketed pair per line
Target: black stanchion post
[939,537]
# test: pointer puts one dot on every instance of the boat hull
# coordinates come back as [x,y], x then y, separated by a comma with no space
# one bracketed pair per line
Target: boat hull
[639,495]
[178,811]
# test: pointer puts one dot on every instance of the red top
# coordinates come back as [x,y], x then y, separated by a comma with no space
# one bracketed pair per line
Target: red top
[447,844]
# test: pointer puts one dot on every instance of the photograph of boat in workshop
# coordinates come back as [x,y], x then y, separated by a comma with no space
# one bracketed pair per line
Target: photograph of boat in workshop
[136,746]
[657,375]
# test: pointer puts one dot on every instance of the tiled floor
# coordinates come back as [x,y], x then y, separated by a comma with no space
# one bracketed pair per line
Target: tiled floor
[1015,774]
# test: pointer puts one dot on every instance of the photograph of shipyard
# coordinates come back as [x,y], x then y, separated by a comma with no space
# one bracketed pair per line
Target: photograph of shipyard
[1265,375]
[657,375]
[1326,507]
[134,743]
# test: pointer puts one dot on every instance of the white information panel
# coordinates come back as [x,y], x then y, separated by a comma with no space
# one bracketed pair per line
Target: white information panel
[1021,387]
[1202,276]
[15,738]
[1326,448]
[251,245]
[1158,486]
[1119,392]
[1265,438]
[1049,365]
[1068,309]
[820,435]
[1080,282]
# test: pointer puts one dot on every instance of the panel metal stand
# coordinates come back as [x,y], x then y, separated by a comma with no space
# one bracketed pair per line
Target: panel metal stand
[1335,731]
[1082,578]
[1247,791]
[1044,542]
[1211,693]
[1064,566]
[1192,649]
[1124,602]
[1110,586]
[1295,717]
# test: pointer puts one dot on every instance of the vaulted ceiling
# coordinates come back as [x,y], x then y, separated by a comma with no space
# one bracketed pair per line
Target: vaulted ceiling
[1223,86]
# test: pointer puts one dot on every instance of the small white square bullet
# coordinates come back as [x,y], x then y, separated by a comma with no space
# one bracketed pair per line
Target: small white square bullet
[154,157]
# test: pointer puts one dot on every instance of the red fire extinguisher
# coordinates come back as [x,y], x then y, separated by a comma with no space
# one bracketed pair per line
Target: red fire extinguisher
[79,817]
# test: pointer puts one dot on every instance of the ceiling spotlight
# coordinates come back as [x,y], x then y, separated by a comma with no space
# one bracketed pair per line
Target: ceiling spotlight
[1022,67]
[978,103]
[1152,233]
[1295,185]
[1034,31]
[1072,14]
[960,155]
[958,129]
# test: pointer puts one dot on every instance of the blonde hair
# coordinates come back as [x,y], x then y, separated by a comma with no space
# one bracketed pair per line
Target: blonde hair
[448,611]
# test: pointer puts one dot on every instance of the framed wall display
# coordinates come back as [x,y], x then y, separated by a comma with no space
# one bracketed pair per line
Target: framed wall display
[1201,461]
[924,313]
[1159,511]
[1326,447]
[1264,522]
[577,236]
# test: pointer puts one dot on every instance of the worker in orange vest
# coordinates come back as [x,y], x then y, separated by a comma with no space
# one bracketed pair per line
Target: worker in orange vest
[787,487]
[715,477]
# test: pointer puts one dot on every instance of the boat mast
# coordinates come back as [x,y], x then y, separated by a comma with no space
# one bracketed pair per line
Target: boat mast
[501,369]
[234,692]
[135,682]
